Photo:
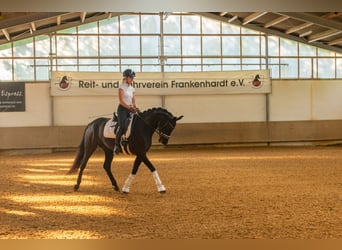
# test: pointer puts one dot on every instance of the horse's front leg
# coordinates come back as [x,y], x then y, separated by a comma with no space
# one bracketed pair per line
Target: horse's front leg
[129,180]
[161,188]
[107,167]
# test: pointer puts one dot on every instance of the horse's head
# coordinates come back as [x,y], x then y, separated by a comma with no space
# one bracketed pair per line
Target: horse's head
[161,121]
[165,128]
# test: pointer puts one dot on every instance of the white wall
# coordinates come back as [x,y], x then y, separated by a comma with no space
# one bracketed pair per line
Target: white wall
[80,110]
[38,108]
[218,108]
[290,100]
[294,100]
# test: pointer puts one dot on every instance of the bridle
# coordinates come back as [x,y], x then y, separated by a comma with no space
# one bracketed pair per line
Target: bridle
[159,128]
[161,134]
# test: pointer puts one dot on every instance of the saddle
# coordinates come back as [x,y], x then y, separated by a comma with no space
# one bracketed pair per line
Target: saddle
[112,126]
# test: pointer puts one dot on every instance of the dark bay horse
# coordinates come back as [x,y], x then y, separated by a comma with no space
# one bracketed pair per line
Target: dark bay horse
[155,120]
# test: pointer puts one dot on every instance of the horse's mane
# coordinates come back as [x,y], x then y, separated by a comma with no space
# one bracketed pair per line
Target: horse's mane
[157,110]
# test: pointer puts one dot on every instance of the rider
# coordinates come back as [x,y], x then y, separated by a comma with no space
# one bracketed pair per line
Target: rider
[126,105]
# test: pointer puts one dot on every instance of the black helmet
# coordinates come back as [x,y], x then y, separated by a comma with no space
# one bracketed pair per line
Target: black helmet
[128,73]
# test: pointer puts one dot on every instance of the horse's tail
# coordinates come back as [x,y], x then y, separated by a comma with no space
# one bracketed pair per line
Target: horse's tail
[79,156]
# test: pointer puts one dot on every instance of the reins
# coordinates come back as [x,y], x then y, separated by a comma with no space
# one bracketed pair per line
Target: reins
[157,130]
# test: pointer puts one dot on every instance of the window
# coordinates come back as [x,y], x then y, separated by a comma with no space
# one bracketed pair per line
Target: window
[109,46]
[109,65]
[42,45]
[109,26]
[190,43]
[250,45]
[288,47]
[67,46]
[150,46]
[231,45]
[88,46]
[191,25]
[211,46]
[23,69]
[23,48]
[325,68]
[130,45]
[150,24]
[5,69]
[129,24]
[288,68]
[210,26]
[89,28]
[171,24]
[305,68]
[88,65]
[172,46]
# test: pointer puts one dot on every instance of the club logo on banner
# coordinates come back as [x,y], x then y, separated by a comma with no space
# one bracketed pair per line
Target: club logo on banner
[188,83]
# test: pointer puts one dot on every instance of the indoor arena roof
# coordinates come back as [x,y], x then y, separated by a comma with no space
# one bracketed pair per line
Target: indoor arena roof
[320,29]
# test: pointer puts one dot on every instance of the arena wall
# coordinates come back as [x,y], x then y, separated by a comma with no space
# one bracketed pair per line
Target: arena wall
[296,111]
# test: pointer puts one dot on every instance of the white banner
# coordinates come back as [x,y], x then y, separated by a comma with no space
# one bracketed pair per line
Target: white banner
[188,83]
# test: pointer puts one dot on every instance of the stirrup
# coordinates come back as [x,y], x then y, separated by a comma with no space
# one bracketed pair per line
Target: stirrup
[117,150]
[123,141]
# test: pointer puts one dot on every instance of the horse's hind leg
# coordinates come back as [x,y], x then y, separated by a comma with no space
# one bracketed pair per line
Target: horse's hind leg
[79,178]
[107,167]
[161,188]
[84,162]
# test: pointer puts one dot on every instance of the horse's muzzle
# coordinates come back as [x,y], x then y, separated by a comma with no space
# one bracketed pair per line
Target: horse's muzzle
[163,140]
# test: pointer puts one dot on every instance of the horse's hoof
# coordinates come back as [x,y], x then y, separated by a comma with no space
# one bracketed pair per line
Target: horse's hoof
[161,189]
[117,189]
[125,190]
[76,187]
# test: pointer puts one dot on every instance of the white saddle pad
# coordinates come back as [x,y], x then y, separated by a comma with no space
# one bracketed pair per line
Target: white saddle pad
[108,131]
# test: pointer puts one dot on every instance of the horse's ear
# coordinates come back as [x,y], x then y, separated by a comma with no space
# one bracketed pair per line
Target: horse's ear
[178,118]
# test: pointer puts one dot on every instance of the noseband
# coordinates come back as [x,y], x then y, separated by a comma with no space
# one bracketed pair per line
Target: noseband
[160,133]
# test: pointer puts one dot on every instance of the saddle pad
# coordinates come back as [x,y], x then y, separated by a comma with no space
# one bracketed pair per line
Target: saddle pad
[108,131]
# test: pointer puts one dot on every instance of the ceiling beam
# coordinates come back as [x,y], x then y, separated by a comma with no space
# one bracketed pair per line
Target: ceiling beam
[308,24]
[323,35]
[59,20]
[52,29]
[274,32]
[298,28]
[28,19]
[83,16]
[233,18]
[252,17]
[5,32]
[276,21]
[336,41]
[321,21]
[305,33]
[33,26]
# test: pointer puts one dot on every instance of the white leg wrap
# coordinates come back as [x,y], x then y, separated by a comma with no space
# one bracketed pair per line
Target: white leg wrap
[160,186]
[128,183]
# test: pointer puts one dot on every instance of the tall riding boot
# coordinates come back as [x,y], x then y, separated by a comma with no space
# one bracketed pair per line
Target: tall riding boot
[117,147]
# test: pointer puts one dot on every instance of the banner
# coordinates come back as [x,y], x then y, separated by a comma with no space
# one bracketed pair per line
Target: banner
[186,83]
[12,96]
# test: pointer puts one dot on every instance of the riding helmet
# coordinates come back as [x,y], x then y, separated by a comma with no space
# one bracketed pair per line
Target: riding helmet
[128,73]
